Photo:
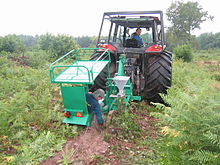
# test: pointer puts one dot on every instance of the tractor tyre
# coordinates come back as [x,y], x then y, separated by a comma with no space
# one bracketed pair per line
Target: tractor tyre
[158,75]
[100,81]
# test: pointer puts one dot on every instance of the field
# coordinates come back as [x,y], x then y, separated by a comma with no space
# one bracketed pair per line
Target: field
[186,132]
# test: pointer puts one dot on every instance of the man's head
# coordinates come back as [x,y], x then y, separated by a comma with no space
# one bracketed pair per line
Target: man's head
[138,31]
[99,94]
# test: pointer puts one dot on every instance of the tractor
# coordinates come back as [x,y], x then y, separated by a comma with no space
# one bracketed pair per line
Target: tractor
[149,66]
[125,70]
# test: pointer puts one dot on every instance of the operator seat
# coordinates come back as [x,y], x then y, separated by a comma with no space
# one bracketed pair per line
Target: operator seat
[131,43]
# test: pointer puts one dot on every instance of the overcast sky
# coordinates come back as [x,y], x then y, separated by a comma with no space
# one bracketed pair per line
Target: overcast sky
[81,17]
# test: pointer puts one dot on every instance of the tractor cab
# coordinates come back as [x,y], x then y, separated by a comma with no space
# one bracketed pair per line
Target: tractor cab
[117,29]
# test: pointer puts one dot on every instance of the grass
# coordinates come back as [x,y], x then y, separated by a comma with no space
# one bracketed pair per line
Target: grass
[207,55]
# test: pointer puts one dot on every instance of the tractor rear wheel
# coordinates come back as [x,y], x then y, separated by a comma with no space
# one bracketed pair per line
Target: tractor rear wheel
[158,75]
[100,81]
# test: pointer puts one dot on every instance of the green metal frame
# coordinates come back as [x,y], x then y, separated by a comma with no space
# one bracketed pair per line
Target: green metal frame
[110,99]
[74,94]
[90,71]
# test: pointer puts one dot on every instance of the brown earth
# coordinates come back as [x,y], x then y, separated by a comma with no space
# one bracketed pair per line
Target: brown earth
[94,145]
[213,62]
[84,148]
[21,60]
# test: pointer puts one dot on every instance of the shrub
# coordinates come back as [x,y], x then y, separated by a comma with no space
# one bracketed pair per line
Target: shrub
[184,52]
[11,43]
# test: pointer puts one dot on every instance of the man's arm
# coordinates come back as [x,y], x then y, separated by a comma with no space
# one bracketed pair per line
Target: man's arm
[139,39]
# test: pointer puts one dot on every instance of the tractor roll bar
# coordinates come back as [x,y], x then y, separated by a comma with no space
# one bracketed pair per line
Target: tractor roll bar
[133,12]
[109,14]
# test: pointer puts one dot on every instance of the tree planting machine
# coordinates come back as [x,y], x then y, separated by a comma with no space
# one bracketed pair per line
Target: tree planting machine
[117,65]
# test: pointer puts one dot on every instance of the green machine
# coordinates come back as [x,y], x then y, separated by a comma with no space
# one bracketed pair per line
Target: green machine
[74,75]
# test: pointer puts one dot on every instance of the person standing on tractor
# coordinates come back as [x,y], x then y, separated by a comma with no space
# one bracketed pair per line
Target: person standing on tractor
[94,106]
[136,36]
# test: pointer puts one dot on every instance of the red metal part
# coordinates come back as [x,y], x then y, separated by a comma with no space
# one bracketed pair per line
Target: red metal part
[108,46]
[67,114]
[78,114]
[154,48]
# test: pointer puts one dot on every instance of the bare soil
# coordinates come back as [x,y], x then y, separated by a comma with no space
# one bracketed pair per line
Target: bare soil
[21,60]
[84,147]
[213,63]
[102,146]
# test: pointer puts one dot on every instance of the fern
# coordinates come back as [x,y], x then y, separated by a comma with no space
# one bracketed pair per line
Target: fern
[194,114]
[214,138]
[203,157]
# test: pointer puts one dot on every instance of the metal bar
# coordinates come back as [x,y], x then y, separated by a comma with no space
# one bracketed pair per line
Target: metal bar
[162,28]
[62,57]
[132,12]
[68,66]
[121,66]
[100,30]
[101,57]
[52,67]
[110,31]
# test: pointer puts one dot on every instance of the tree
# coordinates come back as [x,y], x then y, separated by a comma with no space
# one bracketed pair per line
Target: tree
[185,17]
[86,41]
[209,40]
[11,43]
[57,45]
[28,40]
[184,52]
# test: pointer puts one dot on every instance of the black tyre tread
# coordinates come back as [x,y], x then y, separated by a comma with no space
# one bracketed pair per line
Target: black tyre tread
[100,81]
[159,76]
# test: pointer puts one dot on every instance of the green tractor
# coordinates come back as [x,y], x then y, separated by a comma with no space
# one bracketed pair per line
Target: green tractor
[149,65]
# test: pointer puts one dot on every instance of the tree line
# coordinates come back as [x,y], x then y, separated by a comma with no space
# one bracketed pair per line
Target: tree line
[55,45]
[60,44]
[179,33]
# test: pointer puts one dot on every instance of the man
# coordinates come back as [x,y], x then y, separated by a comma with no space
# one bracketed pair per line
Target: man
[92,99]
[136,36]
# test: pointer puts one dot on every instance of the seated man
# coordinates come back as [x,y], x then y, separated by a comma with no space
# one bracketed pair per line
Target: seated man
[94,107]
[136,36]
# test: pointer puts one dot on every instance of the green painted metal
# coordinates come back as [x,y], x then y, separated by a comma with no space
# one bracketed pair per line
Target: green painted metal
[80,71]
[74,79]
[74,101]
[74,97]
[111,98]
[121,63]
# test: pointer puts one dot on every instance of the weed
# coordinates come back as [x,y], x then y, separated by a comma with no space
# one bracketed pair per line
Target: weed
[67,156]
[123,120]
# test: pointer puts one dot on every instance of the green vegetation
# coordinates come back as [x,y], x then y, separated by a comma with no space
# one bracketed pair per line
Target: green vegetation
[190,127]
[57,45]
[183,23]
[11,43]
[30,109]
[183,52]
[209,40]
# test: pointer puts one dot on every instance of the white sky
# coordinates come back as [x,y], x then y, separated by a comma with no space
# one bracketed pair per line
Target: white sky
[81,17]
